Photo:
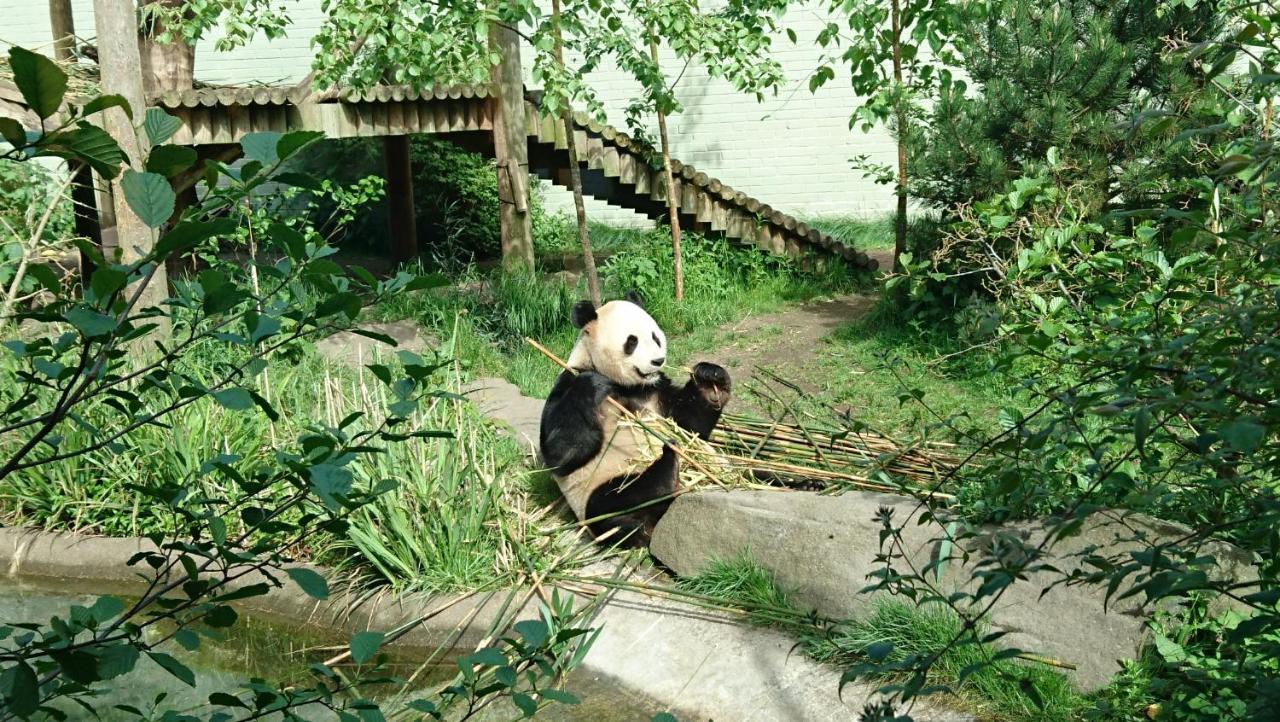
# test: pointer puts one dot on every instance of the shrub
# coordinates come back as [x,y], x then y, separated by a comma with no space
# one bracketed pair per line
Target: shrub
[455,195]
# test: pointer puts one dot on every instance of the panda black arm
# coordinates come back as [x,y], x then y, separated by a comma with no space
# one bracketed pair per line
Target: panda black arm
[571,434]
[697,406]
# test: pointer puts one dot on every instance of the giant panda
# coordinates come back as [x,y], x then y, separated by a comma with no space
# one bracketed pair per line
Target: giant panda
[619,354]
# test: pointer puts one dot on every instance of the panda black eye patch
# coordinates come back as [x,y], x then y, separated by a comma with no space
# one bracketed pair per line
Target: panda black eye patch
[655,340]
[630,346]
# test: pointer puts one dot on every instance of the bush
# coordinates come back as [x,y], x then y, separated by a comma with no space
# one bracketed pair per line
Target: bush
[455,195]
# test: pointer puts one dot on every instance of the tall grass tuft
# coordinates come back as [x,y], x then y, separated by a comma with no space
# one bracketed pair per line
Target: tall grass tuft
[448,524]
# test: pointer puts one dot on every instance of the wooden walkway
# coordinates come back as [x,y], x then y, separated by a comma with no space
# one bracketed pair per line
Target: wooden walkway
[615,168]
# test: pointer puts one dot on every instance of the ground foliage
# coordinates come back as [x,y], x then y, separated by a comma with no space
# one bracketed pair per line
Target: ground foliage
[90,368]
[1144,335]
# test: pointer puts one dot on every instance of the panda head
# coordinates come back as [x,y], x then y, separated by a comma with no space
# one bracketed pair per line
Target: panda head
[619,340]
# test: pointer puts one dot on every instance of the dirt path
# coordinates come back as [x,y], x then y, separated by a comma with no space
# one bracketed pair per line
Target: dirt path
[788,340]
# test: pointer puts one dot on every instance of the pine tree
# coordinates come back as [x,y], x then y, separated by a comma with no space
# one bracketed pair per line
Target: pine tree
[1070,74]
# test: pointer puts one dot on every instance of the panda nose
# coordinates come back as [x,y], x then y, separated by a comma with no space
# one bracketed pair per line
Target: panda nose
[658,361]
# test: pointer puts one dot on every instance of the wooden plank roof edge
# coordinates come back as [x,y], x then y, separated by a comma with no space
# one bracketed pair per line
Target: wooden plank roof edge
[292,95]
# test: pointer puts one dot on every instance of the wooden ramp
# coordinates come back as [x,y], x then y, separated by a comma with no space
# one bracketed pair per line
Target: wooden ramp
[615,168]
[623,172]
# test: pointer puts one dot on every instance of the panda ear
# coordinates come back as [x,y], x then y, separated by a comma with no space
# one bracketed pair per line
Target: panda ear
[583,313]
[634,297]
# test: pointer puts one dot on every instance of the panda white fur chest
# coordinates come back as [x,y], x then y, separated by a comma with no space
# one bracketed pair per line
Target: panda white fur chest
[613,473]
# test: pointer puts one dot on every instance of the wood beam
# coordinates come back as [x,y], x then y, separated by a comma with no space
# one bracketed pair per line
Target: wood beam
[62,23]
[511,149]
[403,223]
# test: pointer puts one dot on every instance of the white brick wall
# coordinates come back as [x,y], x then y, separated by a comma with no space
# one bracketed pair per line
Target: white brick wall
[791,151]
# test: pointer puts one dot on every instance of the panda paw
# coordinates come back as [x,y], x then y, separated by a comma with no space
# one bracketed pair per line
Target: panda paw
[713,383]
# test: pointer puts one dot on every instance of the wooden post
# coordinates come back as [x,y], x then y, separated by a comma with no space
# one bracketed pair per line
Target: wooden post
[403,223]
[83,198]
[165,67]
[511,149]
[119,67]
[62,23]
[84,203]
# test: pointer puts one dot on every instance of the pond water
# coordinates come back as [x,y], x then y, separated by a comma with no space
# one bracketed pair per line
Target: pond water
[256,647]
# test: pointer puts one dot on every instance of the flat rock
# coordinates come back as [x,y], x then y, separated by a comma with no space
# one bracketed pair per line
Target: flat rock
[501,400]
[353,349]
[822,550]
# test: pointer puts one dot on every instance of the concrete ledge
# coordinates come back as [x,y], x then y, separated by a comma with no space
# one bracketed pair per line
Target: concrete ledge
[67,559]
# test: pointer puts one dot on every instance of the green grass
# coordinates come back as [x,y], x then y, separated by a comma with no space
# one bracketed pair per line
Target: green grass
[457,520]
[494,313]
[993,692]
[875,234]
[868,366]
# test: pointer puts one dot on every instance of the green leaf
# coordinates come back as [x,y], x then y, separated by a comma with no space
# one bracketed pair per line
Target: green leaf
[170,160]
[90,322]
[105,609]
[364,645]
[149,195]
[187,639]
[1243,436]
[21,688]
[188,234]
[11,130]
[106,281]
[488,657]
[556,695]
[312,583]
[174,667]
[45,276]
[117,660]
[236,399]
[330,482]
[160,126]
[222,699]
[39,79]
[91,145]
[534,631]
[664,717]
[525,703]
[102,102]
[291,143]
[261,147]
[879,651]
[1170,650]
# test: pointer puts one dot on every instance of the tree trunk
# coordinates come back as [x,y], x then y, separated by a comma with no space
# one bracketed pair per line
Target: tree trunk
[169,66]
[511,150]
[403,222]
[673,204]
[118,63]
[62,23]
[900,222]
[575,173]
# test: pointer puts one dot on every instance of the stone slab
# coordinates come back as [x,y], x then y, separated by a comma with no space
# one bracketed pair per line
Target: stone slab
[353,349]
[502,401]
[822,550]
